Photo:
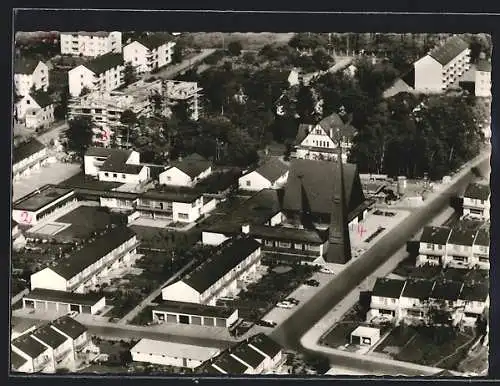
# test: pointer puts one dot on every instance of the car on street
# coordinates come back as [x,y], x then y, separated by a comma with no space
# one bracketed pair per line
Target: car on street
[292,300]
[266,323]
[312,283]
[326,270]
[73,314]
[284,304]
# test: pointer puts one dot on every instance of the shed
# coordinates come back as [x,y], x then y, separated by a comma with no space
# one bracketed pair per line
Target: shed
[365,336]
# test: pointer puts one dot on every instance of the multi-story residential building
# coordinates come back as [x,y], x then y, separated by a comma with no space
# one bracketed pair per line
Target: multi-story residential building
[321,141]
[149,53]
[30,356]
[105,108]
[74,331]
[476,299]
[385,300]
[459,248]
[29,75]
[445,296]
[477,201]
[186,172]
[28,157]
[104,73]
[35,110]
[482,81]
[217,276]
[177,91]
[84,267]
[90,44]
[60,345]
[432,248]
[442,66]
[414,301]
[272,174]
[481,248]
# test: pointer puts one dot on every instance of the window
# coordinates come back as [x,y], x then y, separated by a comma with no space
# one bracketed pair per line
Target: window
[183,216]
[106,174]
[429,246]
[169,178]
[115,175]
[27,102]
[124,176]
[248,182]
[283,244]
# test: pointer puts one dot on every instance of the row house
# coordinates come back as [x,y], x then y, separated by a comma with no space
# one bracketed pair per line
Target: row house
[149,53]
[35,110]
[30,75]
[411,300]
[188,93]
[482,79]
[476,201]
[104,73]
[218,275]
[27,157]
[186,172]
[83,268]
[321,141]
[50,347]
[91,44]
[442,66]
[272,174]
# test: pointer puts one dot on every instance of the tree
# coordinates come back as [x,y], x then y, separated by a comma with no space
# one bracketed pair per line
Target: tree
[79,135]
[234,48]
[321,59]
[61,108]
[479,43]
[129,119]
[178,53]
[306,104]
[129,74]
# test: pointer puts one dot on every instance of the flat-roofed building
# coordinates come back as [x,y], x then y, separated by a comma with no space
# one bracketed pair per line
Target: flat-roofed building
[92,44]
[28,157]
[171,354]
[83,268]
[365,336]
[61,301]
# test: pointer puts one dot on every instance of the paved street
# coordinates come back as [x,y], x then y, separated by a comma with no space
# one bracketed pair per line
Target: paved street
[172,71]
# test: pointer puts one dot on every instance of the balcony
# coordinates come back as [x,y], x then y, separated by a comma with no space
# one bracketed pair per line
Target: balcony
[167,210]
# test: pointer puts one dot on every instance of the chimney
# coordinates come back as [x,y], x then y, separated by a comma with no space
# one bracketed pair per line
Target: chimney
[245,229]
[482,55]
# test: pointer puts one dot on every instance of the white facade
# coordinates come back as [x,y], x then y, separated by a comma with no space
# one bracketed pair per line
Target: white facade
[92,163]
[176,177]
[365,336]
[144,59]
[90,44]
[318,144]
[481,256]
[430,253]
[42,363]
[482,84]
[187,211]
[38,79]
[472,310]
[125,178]
[181,292]
[254,181]
[293,78]
[385,307]
[41,117]
[212,238]
[82,77]
[477,208]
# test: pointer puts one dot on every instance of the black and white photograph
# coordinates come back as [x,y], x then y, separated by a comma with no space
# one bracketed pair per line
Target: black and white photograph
[250,203]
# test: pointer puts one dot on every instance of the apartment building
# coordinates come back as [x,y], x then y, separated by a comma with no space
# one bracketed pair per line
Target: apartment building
[91,44]
[272,174]
[442,66]
[476,202]
[217,276]
[35,110]
[28,157]
[82,269]
[186,172]
[149,53]
[104,73]
[30,75]
[189,93]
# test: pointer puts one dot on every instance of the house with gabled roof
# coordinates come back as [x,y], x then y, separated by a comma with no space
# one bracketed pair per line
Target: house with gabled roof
[476,298]
[31,356]
[459,247]
[150,52]
[187,171]
[27,157]
[442,66]
[385,300]
[481,248]
[103,73]
[432,246]
[476,202]
[414,300]
[61,346]
[90,43]
[30,74]
[73,330]
[321,141]
[272,174]
[35,110]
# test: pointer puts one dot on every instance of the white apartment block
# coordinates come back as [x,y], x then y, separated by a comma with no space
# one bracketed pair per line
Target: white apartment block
[30,74]
[104,73]
[149,53]
[91,44]
[178,91]
[442,66]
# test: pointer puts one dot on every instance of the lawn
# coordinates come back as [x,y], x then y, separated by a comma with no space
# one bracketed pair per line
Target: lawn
[339,335]
[162,239]
[143,317]
[249,40]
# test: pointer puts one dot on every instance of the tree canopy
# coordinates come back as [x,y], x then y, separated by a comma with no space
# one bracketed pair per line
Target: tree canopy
[79,135]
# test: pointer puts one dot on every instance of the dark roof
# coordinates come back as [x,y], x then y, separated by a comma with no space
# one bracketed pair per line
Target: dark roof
[428,271]
[288,234]
[318,178]
[302,133]
[16,360]
[26,149]
[462,237]
[230,365]
[272,169]
[170,195]
[388,288]
[193,165]
[63,297]
[13,224]
[207,368]
[333,122]
[89,33]
[117,163]
[153,41]
[195,309]
[49,336]
[435,235]
[69,326]
[477,191]
[475,292]
[483,65]
[41,197]
[248,355]
[483,237]
[106,152]
[104,63]
[445,53]
[231,253]
[28,345]
[155,170]
[42,99]
[265,344]
[25,66]
[92,252]
[418,289]
[446,290]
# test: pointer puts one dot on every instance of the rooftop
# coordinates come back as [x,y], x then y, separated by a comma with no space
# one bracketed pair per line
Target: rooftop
[272,169]
[40,198]
[171,349]
[229,255]
[42,99]
[475,292]
[107,152]
[25,66]
[193,165]
[265,344]
[179,90]
[428,271]
[194,309]
[29,345]
[153,41]
[63,297]
[388,288]
[69,326]
[483,65]
[418,289]
[92,252]
[49,336]
[365,331]
[88,33]
[448,51]
[230,365]
[117,163]
[26,149]
[170,195]
[446,290]
[462,237]
[248,355]
[16,360]
[435,235]
[477,191]
[288,234]
[483,237]
[105,62]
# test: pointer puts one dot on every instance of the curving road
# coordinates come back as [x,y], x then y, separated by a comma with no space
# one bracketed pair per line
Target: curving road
[290,332]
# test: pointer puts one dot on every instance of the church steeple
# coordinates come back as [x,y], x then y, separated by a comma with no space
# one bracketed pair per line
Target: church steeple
[339,245]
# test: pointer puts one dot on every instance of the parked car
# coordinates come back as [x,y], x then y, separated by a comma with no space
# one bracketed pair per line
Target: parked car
[326,270]
[312,283]
[266,323]
[73,314]
[284,305]
[292,301]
